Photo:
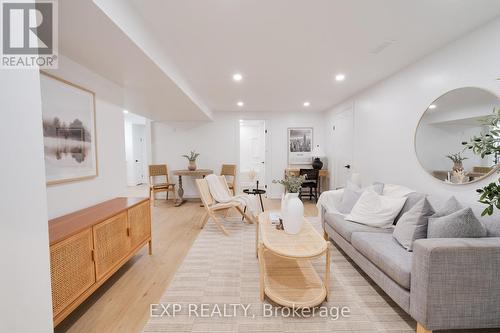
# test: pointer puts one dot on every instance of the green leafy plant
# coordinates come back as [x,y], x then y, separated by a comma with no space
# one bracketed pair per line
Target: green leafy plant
[192,156]
[490,196]
[488,143]
[456,158]
[291,183]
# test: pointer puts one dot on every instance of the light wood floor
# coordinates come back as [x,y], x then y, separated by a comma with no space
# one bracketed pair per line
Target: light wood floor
[122,303]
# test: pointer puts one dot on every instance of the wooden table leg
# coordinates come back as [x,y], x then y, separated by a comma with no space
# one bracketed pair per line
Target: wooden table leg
[180,193]
[261,272]
[327,271]
[257,238]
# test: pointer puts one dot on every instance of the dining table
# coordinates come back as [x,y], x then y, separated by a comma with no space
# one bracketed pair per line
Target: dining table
[187,173]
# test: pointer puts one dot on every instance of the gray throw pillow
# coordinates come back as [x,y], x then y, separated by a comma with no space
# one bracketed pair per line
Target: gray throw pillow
[450,206]
[460,224]
[352,193]
[413,224]
[411,199]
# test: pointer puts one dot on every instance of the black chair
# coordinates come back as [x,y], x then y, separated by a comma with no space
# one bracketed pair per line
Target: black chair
[311,182]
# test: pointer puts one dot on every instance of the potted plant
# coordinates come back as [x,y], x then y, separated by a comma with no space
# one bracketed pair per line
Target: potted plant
[292,208]
[192,160]
[457,160]
[488,143]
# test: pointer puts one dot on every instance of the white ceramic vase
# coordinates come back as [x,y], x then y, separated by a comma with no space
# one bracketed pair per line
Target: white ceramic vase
[292,211]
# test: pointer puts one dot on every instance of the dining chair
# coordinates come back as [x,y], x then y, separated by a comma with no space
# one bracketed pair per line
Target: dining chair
[160,172]
[212,207]
[311,182]
[229,170]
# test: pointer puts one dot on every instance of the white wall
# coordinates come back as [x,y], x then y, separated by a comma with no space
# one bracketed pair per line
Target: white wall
[111,181]
[387,114]
[218,142]
[25,301]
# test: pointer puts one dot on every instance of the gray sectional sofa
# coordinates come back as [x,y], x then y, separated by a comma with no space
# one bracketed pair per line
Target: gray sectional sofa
[445,283]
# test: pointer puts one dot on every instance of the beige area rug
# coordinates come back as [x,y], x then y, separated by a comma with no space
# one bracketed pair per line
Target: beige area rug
[221,270]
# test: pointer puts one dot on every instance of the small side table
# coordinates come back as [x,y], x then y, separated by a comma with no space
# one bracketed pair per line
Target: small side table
[255,192]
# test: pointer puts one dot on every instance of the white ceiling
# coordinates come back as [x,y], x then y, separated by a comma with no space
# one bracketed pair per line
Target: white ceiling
[90,38]
[290,50]
[176,58]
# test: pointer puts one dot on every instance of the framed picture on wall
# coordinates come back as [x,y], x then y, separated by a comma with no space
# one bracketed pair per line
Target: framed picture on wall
[300,145]
[69,134]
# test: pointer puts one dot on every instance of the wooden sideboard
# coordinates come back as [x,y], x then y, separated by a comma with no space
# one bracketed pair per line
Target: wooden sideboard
[88,246]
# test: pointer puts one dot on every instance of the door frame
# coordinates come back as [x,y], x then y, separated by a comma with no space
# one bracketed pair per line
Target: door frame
[267,152]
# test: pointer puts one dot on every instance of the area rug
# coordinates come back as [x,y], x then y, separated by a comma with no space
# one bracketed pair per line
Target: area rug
[216,289]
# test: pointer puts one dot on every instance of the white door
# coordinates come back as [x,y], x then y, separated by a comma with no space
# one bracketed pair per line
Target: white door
[342,147]
[138,152]
[252,153]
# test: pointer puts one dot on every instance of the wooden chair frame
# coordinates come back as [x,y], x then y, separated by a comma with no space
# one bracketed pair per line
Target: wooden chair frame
[212,207]
[229,170]
[158,170]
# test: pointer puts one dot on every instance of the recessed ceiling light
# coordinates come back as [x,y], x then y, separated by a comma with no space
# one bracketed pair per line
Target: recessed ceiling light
[237,77]
[125,111]
[306,104]
[432,106]
[240,103]
[340,77]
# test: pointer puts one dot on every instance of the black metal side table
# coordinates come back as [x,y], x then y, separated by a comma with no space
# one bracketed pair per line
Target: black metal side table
[258,192]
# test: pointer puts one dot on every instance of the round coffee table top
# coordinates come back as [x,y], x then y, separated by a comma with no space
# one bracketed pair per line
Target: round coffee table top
[254,191]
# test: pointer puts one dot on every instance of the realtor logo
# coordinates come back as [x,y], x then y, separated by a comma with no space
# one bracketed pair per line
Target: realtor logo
[29,34]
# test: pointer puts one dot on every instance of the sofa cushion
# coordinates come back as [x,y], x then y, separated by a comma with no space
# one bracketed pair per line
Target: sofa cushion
[411,200]
[376,210]
[450,206]
[353,192]
[413,224]
[345,228]
[385,253]
[351,195]
[460,224]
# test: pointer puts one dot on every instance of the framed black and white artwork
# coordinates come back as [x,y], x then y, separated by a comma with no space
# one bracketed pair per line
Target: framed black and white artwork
[300,145]
[69,135]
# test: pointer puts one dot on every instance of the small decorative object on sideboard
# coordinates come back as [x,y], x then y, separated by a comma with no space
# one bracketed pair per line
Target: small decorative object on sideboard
[292,208]
[317,153]
[192,160]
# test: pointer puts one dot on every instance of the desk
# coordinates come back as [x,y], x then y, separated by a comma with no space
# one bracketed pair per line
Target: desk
[196,174]
[323,177]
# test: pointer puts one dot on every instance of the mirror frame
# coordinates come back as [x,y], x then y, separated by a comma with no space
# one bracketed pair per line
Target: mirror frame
[486,176]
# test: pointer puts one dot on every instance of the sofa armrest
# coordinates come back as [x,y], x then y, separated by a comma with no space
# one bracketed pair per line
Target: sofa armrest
[328,202]
[455,283]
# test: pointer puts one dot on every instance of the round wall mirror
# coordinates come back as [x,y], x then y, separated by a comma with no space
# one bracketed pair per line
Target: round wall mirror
[447,140]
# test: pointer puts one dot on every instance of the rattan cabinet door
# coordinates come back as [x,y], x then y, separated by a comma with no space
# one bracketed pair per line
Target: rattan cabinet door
[71,268]
[111,243]
[139,223]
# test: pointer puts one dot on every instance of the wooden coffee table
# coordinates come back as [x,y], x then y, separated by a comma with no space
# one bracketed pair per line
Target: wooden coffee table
[287,275]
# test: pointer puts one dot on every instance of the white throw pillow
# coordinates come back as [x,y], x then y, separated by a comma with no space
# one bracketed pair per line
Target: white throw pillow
[376,210]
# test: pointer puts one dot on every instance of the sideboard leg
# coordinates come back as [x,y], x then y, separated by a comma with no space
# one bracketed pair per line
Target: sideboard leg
[150,247]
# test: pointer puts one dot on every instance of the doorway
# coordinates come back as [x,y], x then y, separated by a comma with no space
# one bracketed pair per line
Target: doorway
[342,147]
[252,154]
[136,149]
